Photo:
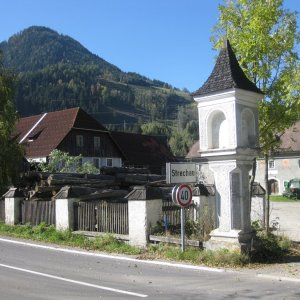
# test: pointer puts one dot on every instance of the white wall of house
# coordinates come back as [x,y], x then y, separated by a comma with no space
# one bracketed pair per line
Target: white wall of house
[281,169]
[38,159]
[96,161]
[103,161]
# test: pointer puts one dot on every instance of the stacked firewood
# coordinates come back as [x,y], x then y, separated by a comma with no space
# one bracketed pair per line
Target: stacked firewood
[111,183]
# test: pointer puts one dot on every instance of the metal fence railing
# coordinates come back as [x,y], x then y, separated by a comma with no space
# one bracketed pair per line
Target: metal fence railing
[171,213]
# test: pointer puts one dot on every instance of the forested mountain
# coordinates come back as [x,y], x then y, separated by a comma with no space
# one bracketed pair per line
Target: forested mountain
[55,72]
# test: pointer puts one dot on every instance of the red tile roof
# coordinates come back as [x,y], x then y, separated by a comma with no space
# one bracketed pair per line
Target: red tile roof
[53,127]
[290,140]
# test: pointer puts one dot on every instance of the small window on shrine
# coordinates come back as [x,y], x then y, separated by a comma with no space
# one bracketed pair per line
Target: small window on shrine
[247,128]
[217,130]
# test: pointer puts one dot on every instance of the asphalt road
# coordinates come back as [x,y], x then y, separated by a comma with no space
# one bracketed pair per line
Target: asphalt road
[42,272]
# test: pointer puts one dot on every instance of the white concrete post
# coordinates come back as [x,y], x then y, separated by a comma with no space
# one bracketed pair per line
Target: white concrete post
[13,200]
[142,213]
[64,214]
[64,208]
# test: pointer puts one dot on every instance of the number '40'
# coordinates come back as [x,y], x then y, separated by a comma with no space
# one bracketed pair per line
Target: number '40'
[184,195]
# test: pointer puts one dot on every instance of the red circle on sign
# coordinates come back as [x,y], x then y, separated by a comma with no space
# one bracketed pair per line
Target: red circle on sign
[184,195]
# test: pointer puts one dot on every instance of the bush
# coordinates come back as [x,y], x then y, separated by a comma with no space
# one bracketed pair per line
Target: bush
[269,247]
[219,258]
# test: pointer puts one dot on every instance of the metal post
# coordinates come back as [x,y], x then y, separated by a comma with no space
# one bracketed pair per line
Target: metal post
[182,229]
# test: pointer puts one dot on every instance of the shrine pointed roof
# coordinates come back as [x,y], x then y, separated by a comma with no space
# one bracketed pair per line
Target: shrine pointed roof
[227,74]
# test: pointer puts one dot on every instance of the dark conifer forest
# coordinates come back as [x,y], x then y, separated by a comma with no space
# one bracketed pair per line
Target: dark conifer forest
[55,72]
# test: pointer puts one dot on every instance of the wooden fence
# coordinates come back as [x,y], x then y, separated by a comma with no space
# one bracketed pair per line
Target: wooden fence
[171,213]
[2,211]
[36,212]
[102,216]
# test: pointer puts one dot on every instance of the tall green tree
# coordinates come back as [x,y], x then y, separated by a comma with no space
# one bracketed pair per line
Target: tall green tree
[10,151]
[156,128]
[264,37]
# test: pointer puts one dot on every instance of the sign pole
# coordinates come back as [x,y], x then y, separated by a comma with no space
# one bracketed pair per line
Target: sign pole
[182,229]
[182,195]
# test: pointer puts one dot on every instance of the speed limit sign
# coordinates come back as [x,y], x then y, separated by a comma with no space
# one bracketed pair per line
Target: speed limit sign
[184,195]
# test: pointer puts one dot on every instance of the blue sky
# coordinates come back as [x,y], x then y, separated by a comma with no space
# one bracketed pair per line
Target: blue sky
[168,40]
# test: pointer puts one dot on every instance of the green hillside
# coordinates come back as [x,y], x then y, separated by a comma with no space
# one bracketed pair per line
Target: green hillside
[55,72]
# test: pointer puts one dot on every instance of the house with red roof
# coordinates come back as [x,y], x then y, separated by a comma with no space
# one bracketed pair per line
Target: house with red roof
[76,132]
[147,151]
[70,130]
[284,164]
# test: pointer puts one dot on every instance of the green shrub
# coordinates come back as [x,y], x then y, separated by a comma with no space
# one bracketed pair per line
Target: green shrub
[219,258]
[269,247]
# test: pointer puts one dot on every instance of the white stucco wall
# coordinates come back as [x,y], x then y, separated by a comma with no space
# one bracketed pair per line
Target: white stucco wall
[116,161]
[12,210]
[142,214]
[38,159]
[257,209]
[228,120]
[285,169]
[64,210]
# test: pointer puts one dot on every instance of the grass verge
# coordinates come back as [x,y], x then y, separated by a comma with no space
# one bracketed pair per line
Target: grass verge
[282,199]
[270,248]
[49,234]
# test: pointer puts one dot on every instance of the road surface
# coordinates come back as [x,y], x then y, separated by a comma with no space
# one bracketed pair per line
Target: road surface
[30,271]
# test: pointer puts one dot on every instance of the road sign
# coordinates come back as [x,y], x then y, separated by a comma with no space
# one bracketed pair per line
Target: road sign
[184,195]
[181,173]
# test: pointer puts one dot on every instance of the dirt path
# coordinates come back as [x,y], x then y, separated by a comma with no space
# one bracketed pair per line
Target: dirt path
[287,214]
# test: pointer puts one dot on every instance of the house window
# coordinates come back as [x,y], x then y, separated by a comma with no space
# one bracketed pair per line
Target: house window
[109,162]
[79,140]
[97,142]
[96,163]
[271,164]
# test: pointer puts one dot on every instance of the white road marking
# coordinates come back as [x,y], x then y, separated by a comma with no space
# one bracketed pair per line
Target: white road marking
[74,281]
[191,267]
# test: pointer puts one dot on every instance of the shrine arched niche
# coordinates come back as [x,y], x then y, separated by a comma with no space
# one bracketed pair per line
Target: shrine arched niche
[217,130]
[247,128]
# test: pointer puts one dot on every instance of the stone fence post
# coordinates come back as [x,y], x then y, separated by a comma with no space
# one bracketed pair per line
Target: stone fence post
[13,200]
[144,211]
[64,208]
